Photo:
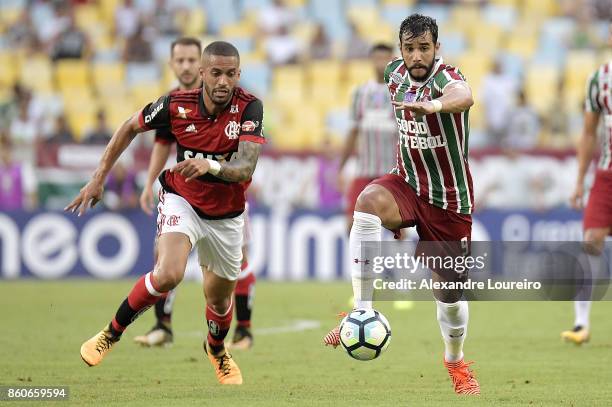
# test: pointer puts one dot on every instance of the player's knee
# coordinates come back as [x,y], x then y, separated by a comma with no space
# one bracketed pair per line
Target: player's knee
[594,241]
[219,305]
[371,201]
[169,276]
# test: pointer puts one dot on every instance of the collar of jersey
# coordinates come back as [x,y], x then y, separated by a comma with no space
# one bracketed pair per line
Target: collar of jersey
[204,112]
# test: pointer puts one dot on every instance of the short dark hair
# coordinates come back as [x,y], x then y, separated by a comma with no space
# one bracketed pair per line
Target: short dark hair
[416,25]
[186,41]
[381,46]
[222,48]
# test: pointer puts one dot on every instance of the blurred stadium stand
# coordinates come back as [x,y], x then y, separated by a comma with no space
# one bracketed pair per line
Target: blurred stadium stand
[548,47]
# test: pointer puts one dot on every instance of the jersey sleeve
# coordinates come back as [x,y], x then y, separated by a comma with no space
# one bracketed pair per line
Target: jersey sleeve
[447,76]
[156,115]
[391,66]
[591,103]
[251,125]
[164,136]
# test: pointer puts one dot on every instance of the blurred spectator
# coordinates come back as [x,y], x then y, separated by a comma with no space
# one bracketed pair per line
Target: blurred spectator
[497,92]
[282,48]
[70,42]
[320,45]
[137,47]
[22,33]
[17,182]
[61,134]
[163,18]
[524,125]
[121,191]
[101,133]
[557,121]
[23,130]
[585,35]
[330,196]
[356,46]
[275,19]
[127,19]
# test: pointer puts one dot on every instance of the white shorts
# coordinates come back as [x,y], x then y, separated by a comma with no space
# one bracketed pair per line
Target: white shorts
[219,242]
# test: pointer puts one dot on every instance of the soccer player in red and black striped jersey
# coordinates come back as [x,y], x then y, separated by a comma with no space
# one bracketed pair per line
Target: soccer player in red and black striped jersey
[430,186]
[185,63]
[218,132]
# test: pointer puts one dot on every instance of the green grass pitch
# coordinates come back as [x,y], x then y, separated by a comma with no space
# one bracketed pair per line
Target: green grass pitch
[519,357]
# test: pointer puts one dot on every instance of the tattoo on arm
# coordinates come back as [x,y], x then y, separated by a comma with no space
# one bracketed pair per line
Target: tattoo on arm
[242,167]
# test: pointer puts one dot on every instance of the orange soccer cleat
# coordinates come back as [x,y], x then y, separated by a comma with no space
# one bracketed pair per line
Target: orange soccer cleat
[94,349]
[333,337]
[463,378]
[226,369]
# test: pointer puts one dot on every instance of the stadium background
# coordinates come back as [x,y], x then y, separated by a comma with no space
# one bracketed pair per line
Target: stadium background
[73,70]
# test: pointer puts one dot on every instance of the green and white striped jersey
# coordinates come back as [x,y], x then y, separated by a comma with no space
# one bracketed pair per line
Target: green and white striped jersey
[599,99]
[432,152]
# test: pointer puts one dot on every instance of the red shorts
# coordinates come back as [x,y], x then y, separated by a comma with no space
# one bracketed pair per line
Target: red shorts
[598,212]
[357,185]
[432,223]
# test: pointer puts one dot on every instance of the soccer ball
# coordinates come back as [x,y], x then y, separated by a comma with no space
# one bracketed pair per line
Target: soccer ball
[365,334]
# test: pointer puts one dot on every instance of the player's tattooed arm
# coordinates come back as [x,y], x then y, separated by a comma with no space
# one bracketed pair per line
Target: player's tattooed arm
[242,167]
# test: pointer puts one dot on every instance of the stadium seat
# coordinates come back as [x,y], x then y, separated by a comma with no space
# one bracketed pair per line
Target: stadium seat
[108,75]
[10,63]
[485,37]
[358,72]
[255,77]
[288,84]
[394,14]
[145,93]
[540,86]
[37,74]
[195,23]
[72,73]
[87,16]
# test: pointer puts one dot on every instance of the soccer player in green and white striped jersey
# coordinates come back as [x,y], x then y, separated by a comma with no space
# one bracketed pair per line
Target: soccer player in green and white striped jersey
[431,185]
[597,223]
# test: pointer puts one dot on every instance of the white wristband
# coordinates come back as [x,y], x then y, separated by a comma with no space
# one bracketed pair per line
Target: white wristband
[215,167]
[437,105]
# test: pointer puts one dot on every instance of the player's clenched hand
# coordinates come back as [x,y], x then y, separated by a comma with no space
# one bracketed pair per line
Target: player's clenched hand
[576,198]
[146,200]
[418,108]
[192,168]
[89,196]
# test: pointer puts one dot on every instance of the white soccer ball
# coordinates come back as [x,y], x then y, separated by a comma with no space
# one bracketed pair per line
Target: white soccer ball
[365,334]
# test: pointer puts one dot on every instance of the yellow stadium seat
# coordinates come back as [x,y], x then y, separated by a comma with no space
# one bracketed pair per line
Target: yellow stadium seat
[10,64]
[243,29]
[379,32]
[72,73]
[547,8]
[37,74]
[523,45]
[513,3]
[86,16]
[485,37]
[303,31]
[80,110]
[324,71]
[107,11]
[579,65]
[359,71]
[108,74]
[474,66]
[193,23]
[145,93]
[465,15]
[118,110]
[363,15]
[288,84]
[541,85]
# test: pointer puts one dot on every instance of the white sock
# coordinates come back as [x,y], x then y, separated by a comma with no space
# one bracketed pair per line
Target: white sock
[453,320]
[366,228]
[582,305]
[582,312]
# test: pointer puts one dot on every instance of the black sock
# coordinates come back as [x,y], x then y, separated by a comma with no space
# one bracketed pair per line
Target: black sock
[243,311]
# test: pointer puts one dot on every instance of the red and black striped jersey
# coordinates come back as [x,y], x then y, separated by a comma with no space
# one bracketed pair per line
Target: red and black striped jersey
[199,134]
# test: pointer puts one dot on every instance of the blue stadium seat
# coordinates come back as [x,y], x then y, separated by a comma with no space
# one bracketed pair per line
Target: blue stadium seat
[504,16]
[361,3]
[395,14]
[221,13]
[439,12]
[250,5]
[331,14]
[255,77]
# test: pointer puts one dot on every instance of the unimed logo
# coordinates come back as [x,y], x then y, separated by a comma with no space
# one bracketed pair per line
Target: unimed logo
[50,246]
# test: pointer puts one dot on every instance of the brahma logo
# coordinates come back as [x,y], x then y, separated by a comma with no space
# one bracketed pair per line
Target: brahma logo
[232,130]
[250,125]
[151,116]
[182,112]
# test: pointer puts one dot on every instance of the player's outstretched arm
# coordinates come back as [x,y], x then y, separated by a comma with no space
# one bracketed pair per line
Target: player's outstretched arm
[457,98]
[92,192]
[241,169]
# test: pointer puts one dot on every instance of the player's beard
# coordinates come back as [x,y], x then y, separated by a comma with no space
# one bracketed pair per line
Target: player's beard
[216,98]
[427,70]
